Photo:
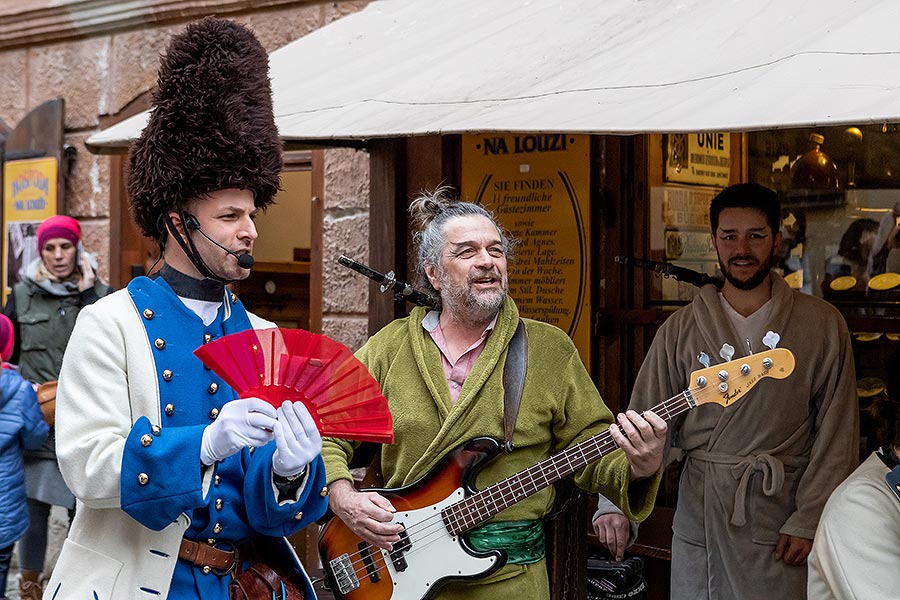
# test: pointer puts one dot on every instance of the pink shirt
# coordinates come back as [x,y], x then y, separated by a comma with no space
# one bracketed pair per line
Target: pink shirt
[457,372]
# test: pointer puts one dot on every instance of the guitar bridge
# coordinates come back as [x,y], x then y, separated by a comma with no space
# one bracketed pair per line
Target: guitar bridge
[344,575]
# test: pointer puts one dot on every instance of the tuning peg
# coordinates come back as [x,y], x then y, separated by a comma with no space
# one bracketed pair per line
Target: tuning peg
[703,357]
[771,340]
[726,352]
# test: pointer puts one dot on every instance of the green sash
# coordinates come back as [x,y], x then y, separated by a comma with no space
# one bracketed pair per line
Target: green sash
[523,541]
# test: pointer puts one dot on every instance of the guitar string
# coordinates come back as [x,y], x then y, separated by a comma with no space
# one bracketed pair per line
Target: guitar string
[432,529]
[682,402]
[601,447]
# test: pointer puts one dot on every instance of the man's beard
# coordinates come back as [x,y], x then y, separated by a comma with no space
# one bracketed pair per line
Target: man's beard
[469,304]
[754,280]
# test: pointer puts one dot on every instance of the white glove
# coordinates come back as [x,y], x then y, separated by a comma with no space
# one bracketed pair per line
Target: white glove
[297,440]
[241,423]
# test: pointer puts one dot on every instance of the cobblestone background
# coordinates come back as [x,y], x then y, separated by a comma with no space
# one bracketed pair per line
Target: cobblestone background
[59,526]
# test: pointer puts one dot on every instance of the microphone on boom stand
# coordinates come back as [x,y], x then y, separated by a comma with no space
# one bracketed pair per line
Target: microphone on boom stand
[669,270]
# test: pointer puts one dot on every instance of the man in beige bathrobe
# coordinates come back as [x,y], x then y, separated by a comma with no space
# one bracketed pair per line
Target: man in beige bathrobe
[756,474]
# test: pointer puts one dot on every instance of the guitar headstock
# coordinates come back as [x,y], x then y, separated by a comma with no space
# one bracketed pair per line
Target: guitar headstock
[726,383]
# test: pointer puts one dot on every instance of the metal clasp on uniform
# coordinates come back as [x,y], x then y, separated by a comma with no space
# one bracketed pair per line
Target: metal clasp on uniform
[226,546]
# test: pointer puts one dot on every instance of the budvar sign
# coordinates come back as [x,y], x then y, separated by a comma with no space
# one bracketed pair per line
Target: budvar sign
[701,158]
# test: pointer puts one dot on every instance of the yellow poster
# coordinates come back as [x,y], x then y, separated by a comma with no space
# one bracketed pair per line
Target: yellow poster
[538,187]
[29,197]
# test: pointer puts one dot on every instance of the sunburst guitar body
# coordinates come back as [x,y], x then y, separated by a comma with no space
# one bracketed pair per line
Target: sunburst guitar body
[438,510]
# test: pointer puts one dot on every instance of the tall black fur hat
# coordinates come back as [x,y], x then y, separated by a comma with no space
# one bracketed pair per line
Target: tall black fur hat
[211,126]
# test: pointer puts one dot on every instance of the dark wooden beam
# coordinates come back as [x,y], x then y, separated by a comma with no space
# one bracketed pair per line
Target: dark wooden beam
[387,222]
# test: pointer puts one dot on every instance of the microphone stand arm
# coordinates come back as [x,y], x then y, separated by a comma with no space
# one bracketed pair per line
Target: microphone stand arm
[388,281]
[669,270]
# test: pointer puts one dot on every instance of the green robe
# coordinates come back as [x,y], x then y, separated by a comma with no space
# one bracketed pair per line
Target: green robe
[560,406]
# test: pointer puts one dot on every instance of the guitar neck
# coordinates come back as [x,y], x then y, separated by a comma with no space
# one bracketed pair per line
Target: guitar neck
[481,506]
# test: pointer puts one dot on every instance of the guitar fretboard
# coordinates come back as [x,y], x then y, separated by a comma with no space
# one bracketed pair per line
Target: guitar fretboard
[481,506]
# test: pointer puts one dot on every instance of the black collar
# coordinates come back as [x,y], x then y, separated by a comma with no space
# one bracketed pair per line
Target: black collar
[888,457]
[186,286]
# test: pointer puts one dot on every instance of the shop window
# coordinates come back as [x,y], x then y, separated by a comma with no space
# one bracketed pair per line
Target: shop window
[278,287]
[840,193]
[840,189]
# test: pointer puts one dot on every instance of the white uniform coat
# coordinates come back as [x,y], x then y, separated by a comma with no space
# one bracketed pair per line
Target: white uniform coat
[109,339]
[856,553]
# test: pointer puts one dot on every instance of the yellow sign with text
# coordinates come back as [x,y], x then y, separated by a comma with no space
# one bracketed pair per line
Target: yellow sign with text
[699,158]
[538,187]
[29,197]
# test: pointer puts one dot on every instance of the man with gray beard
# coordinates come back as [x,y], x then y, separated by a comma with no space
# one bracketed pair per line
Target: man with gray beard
[442,372]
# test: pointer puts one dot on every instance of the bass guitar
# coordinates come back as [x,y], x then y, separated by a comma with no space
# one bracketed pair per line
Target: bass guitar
[437,510]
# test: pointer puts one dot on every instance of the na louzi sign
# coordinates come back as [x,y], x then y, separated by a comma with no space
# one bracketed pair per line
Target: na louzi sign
[524,144]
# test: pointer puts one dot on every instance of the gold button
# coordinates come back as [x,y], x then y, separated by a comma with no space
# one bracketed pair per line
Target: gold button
[324,491]
[207,337]
[148,314]
[214,413]
[167,375]
[155,429]
[143,478]
[217,528]
[170,409]
[299,515]
[211,541]
[216,480]
[233,297]
[146,440]
[213,388]
[159,343]
[219,503]
[206,569]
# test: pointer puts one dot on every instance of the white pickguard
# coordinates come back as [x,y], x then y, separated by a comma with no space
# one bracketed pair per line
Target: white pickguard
[434,553]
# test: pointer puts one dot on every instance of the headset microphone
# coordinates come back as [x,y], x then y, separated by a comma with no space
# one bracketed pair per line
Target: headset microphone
[244,261]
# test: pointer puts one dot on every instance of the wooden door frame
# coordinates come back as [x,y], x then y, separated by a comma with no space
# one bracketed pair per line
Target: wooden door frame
[125,238]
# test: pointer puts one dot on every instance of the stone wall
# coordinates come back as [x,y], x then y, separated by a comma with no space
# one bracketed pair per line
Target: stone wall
[100,74]
[346,231]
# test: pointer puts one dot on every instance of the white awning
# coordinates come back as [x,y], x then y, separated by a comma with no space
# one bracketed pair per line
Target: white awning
[414,67]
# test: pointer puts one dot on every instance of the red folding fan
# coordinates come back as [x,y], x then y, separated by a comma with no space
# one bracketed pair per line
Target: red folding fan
[292,364]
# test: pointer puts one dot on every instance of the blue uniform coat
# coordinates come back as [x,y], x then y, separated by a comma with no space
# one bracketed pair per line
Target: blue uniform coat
[133,403]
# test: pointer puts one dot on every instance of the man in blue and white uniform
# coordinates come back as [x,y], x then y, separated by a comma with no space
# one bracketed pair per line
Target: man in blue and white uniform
[172,472]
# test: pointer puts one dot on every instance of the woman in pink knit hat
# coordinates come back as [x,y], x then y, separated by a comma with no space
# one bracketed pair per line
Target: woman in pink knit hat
[43,307]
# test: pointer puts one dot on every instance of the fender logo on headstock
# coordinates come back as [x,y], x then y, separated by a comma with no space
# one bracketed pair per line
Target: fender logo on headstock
[737,377]
[738,391]
[727,396]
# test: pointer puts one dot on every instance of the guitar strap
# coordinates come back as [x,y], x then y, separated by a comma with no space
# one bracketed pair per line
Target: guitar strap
[514,383]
